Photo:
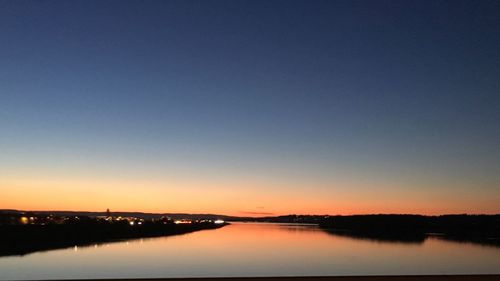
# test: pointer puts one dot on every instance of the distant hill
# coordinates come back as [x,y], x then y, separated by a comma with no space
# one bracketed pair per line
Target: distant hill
[311,219]
[127,214]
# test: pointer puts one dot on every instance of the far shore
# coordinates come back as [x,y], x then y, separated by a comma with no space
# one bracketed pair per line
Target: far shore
[492,277]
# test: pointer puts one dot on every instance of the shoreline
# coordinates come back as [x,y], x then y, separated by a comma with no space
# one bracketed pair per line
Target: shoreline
[25,240]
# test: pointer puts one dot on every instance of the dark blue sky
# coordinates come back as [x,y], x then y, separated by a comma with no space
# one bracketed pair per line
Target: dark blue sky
[327,97]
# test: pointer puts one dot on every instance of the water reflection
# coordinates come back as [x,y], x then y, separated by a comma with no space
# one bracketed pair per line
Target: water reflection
[486,242]
[378,237]
[248,249]
[416,238]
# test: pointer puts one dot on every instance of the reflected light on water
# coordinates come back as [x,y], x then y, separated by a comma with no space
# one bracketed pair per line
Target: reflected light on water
[248,249]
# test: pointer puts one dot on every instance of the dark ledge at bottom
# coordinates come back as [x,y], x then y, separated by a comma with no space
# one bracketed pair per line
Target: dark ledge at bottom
[485,277]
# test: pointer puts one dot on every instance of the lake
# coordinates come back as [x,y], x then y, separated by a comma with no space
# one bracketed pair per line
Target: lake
[254,249]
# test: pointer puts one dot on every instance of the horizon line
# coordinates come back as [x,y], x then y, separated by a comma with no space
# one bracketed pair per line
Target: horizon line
[276,215]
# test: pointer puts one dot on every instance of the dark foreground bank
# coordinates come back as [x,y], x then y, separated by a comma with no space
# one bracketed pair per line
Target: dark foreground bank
[24,239]
[337,278]
[483,229]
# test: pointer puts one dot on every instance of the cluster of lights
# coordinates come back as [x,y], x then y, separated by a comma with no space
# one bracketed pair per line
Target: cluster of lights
[26,220]
[133,223]
[189,222]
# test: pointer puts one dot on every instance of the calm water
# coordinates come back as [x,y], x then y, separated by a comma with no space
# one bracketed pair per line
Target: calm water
[243,249]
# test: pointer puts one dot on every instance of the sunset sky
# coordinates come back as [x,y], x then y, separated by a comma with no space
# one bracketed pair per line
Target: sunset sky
[250,107]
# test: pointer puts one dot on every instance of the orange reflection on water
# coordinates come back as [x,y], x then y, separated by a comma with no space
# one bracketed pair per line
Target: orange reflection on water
[249,249]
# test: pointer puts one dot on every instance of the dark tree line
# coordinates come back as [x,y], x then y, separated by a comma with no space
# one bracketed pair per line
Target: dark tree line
[416,228]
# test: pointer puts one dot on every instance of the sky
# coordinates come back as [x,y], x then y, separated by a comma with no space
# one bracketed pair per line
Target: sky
[250,107]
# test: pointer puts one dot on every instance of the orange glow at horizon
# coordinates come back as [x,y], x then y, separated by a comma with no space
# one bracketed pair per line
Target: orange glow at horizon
[250,199]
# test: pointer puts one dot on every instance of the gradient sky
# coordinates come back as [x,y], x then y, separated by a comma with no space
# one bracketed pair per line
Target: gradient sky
[250,107]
